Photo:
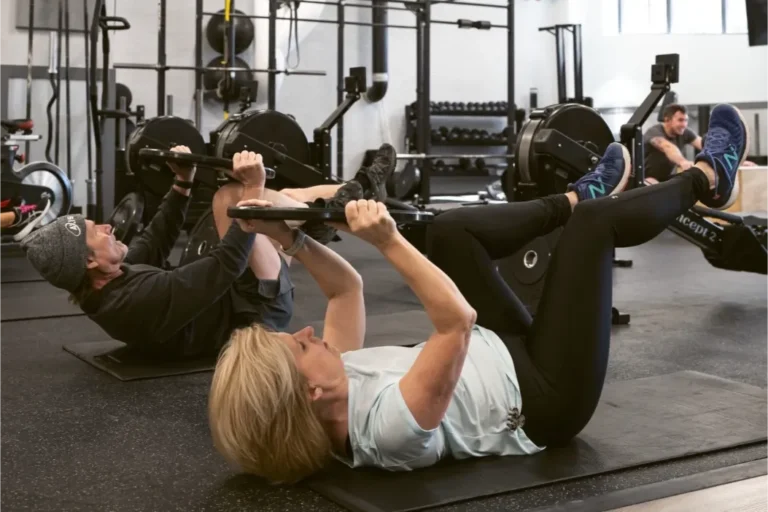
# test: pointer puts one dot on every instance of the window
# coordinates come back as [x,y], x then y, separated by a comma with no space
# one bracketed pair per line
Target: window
[735,16]
[643,16]
[696,16]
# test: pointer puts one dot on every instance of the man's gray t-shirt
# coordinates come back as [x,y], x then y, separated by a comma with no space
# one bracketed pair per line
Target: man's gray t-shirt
[657,165]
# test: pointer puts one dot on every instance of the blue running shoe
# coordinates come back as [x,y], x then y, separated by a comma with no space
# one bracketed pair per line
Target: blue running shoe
[609,177]
[725,148]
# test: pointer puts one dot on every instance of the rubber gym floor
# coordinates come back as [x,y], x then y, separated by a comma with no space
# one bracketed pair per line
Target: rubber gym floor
[75,438]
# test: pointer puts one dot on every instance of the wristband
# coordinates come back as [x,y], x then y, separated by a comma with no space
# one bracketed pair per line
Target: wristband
[183,184]
[297,244]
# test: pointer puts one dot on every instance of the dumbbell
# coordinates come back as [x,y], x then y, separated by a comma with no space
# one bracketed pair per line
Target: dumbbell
[480,165]
[436,136]
[485,136]
[455,135]
[465,164]
[440,166]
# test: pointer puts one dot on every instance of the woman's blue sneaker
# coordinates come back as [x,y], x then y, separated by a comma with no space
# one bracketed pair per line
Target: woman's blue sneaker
[725,148]
[609,177]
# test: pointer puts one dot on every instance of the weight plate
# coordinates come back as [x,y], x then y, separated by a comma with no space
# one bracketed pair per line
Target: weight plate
[525,271]
[202,239]
[126,217]
[160,133]
[45,174]
[276,136]
[405,183]
[530,263]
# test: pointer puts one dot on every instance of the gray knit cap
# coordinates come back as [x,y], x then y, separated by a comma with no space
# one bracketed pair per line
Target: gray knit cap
[59,252]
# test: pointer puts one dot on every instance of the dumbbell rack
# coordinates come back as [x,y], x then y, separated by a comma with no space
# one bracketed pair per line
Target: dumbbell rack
[463,176]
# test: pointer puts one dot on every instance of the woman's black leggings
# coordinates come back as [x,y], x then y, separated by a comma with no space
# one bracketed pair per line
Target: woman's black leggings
[561,357]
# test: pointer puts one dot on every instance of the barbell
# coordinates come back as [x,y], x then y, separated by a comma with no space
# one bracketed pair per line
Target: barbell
[157,159]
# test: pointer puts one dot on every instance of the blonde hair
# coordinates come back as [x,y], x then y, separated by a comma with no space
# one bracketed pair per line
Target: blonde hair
[259,409]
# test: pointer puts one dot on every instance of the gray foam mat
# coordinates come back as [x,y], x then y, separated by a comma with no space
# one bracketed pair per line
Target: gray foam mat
[638,422]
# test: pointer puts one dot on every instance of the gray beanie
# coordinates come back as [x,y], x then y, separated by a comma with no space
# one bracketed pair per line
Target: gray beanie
[59,252]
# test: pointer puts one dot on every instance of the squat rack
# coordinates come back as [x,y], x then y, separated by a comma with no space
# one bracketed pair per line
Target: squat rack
[423,13]
[422,9]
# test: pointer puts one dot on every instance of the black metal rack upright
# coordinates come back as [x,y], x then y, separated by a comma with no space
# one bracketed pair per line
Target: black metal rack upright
[423,12]
[559,31]
[423,100]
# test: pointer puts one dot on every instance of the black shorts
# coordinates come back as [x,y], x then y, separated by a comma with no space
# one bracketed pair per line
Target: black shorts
[264,301]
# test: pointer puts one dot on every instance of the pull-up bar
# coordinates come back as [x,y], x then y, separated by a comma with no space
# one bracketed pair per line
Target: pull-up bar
[414,3]
[462,23]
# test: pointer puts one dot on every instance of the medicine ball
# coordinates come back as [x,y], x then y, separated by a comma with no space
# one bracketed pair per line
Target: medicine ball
[213,80]
[122,90]
[215,32]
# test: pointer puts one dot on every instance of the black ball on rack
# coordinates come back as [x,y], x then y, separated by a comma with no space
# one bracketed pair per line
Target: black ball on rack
[217,30]
[436,136]
[480,164]
[439,166]
[214,80]
[465,164]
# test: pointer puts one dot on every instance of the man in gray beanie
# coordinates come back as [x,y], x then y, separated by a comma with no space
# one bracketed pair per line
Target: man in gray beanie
[191,310]
[59,251]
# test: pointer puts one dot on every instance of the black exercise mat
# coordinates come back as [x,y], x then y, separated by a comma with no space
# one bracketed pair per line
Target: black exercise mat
[33,300]
[638,422]
[15,267]
[111,356]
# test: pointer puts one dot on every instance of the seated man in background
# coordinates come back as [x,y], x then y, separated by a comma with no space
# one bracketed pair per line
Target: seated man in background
[189,311]
[664,143]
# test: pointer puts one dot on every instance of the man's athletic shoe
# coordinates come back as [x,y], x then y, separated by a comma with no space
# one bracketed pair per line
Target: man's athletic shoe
[374,178]
[725,149]
[609,177]
[28,217]
[368,183]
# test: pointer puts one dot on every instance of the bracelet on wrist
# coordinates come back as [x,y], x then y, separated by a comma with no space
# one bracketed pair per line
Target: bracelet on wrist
[183,184]
[299,238]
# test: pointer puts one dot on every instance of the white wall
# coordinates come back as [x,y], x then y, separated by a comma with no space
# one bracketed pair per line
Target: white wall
[713,68]
[467,65]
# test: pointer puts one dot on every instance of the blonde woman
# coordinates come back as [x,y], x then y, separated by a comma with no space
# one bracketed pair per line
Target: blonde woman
[283,405]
